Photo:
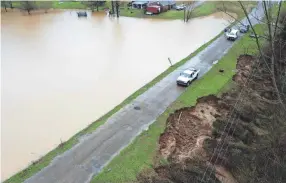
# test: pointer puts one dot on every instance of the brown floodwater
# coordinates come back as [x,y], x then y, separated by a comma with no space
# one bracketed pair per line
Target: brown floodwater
[60,73]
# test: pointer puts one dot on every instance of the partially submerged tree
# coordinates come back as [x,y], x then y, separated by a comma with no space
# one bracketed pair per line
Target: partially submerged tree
[45,5]
[4,4]
[112,7]
[10,4]
[7,4]
[117,8]
[188,11]
[28,6]
[93,4]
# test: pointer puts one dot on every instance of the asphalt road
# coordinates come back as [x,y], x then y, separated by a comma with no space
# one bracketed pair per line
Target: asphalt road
[94,151]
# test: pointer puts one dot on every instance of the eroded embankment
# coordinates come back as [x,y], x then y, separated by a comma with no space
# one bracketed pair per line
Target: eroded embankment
[188,128]
[225,139]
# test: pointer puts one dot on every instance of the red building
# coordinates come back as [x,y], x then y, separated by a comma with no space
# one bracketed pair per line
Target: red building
[154,9]
[160,6]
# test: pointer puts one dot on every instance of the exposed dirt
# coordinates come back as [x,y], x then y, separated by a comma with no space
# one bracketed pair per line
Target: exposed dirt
[187,128]
[244,67]
[193,134]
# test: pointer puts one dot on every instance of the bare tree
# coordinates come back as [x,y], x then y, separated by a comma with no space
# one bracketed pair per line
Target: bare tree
[93,4]
[113,7]
[28,6]
[269,37]
[223,8]
[46,5]
[271,42]
[117,8]
[4,4]
[188,11]
[11,4]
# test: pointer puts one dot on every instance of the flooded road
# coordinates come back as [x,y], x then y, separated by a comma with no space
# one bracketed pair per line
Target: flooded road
[60,73]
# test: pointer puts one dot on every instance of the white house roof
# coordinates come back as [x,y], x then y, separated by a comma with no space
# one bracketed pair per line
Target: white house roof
[139,2]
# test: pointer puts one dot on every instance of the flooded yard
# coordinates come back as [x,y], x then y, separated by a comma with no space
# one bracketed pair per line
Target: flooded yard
[61,72]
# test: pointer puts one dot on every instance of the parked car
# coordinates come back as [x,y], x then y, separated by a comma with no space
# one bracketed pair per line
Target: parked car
[180,7]
[82,14]
[232,34]
[244,28]
[188,76]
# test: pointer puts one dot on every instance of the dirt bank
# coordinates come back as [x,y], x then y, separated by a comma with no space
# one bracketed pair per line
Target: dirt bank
[188,128]
[226,139]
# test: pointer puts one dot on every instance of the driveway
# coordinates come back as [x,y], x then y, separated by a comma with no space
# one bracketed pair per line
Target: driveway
[94,151]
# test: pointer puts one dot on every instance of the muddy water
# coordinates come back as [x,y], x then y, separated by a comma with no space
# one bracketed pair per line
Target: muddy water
[60,73]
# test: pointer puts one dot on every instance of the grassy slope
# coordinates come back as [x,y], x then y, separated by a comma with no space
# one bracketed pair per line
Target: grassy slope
[142,152]
[45,160]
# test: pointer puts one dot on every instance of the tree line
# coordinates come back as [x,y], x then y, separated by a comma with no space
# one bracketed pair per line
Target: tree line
[46,5]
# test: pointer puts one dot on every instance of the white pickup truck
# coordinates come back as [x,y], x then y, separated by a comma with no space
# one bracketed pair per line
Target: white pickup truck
[187,76]
[232,34]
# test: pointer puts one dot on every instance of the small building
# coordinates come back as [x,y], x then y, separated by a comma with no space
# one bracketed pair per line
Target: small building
[164,5]
[139,4]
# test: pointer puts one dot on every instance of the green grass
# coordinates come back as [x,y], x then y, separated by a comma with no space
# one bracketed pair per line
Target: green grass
[78,5]
[64,5]
[16,4]
[141,153]
[205,9]
[45,160]
[68,5]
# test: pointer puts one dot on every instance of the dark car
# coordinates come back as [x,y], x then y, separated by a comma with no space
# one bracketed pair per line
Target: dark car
[81,14]
[244,28]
